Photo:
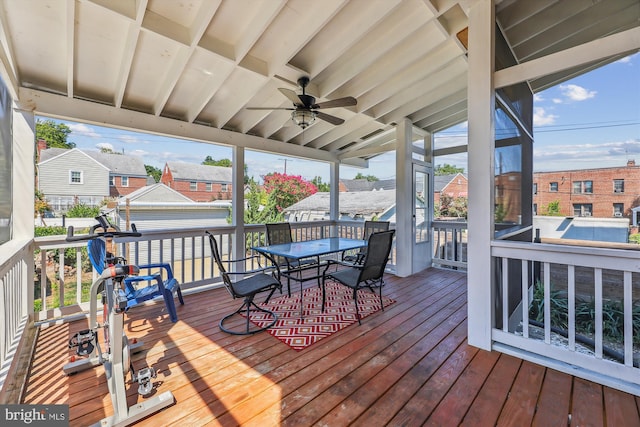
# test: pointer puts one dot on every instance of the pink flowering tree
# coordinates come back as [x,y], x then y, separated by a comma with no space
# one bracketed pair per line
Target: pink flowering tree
[286,190]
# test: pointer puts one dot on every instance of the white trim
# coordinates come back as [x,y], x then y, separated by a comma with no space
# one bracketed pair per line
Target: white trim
[481,112]
[616,44]
[71,173]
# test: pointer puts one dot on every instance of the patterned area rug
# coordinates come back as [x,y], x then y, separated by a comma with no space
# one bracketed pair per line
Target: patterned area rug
[340,312]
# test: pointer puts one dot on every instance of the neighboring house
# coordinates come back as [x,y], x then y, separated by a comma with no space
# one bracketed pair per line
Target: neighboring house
[364,185]
[160,207]
[201,183]
[353,205]
[602,192]
[66,176]
[454,185]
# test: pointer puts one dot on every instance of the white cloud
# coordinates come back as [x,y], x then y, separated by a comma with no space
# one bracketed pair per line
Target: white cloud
[556,101]
[83,130]
[537,97]
[576,93]
[542,118]
[129,139]
[585,156]
[104,146]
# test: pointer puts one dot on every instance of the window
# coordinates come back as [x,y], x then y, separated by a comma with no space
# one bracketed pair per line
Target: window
[75,177]
[582,209]
[580,187]
[224,187]
[124,181]
[553,187]
[618,185]
[618,210]
[112,181]
[193,186]
[209,187]
[535,209]
[535,188]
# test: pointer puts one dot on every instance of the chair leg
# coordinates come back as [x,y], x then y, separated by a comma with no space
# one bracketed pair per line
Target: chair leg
[355,299]
[246,308]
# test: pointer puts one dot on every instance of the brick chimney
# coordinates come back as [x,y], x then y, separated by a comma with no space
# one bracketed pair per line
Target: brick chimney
[42,145]
[631,163]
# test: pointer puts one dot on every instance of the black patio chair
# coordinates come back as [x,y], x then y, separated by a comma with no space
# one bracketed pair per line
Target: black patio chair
[370,227]
[367,275]
[252,283]
[279,233]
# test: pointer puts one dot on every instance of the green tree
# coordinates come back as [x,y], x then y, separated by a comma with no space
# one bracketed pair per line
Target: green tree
[324,187]
[154,172]
[107,150]
[210,161]
[260,206]
[552,209]
[447,169]
[80,210]
[54,133]
[369,178]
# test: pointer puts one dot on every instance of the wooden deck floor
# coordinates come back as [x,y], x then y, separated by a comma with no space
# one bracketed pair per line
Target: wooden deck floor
[409,365]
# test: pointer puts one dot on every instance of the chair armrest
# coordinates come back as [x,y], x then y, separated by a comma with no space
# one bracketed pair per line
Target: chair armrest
[343,263]
[162,265]
[254,271]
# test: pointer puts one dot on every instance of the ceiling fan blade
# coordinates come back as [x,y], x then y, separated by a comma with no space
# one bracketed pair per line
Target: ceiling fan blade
[269,108]
[329,118]
[340,102]
[293,97]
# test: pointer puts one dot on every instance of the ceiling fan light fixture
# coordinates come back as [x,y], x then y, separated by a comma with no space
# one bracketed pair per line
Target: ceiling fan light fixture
[303,118]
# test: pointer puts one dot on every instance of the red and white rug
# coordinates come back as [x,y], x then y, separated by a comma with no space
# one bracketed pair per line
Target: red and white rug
[340,312]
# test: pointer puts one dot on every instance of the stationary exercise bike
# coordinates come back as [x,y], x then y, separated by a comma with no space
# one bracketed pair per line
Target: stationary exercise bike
[116,357]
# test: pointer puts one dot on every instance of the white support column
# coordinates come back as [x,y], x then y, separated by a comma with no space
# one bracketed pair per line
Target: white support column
[334,195]
[237,201]
[404,199]
[481,102]
[23,188]
[23,173]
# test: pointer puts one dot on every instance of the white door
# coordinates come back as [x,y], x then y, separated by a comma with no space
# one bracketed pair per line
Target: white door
[422,216]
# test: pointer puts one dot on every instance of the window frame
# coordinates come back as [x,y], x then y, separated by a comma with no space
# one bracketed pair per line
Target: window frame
[124,181]
[553,187]
[193,185]
[80,177]
[618,181]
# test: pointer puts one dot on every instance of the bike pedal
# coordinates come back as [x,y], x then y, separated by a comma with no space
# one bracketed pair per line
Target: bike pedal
[145,386]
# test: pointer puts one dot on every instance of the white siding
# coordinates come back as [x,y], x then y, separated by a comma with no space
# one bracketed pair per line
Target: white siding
[53,176]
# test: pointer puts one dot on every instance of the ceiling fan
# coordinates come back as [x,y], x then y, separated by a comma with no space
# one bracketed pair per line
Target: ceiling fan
[305,110]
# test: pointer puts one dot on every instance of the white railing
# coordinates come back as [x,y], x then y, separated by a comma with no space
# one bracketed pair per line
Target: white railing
[584,300]
[14,306]
[62,288]
[450,244]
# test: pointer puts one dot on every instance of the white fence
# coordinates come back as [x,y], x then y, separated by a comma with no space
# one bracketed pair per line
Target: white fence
[586,300]
[14,308]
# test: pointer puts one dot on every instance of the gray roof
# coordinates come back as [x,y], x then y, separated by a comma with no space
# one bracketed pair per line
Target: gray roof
[196,172]
[119,164]
[364,185]
[155,193]
[353,202]
[441,181]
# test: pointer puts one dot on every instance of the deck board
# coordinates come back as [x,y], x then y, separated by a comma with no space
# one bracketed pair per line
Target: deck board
[409,365]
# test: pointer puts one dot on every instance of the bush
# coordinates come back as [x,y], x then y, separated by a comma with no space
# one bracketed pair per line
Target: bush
[80,210]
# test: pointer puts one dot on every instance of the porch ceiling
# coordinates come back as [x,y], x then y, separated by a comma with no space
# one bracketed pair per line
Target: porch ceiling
[192,68]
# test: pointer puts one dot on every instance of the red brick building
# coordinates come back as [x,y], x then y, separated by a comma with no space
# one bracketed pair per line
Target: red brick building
[200,183]
[454,185]
[603,192]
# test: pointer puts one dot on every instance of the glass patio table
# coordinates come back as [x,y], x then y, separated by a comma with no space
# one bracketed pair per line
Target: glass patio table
[293,253]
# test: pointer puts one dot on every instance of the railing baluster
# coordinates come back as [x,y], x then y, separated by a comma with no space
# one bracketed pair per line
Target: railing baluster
[598,320]
[547,303]
[505,294]
[78,275]
[571,306]
[525,298]
[628,320]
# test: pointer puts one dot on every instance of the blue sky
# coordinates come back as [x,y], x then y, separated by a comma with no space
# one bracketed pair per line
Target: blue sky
[588,122]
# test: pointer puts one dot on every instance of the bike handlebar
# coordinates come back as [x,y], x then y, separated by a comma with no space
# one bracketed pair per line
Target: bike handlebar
[109,231]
